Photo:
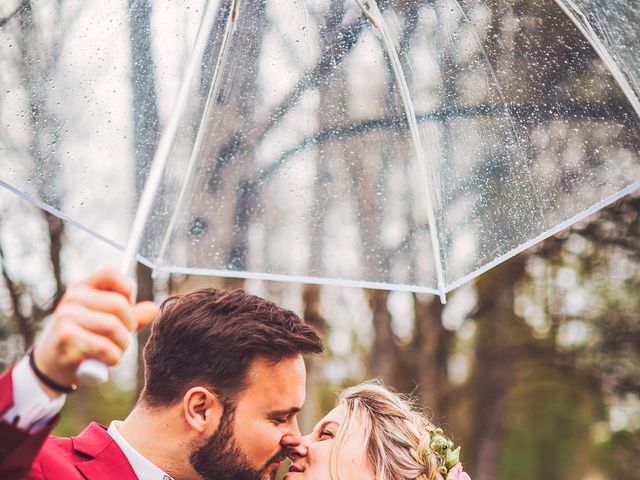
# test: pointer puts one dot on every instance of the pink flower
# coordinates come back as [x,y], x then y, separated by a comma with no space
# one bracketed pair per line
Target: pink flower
[456,473]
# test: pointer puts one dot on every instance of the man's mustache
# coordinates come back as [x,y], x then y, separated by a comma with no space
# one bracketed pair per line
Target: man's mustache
[281,456]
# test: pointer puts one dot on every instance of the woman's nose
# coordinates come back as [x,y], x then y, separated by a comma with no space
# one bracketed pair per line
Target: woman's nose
[300,450]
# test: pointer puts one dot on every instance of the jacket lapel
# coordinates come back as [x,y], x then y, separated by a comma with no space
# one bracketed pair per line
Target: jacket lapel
[106,460]
[6,390]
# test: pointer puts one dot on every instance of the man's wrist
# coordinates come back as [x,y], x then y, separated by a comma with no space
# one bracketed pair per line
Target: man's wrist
[51,387]
[52,394]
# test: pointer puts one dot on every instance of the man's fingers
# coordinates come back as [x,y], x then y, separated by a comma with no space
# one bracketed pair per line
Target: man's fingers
[112,280]
[145,313]
[104,301]
[106,325]
[83,344]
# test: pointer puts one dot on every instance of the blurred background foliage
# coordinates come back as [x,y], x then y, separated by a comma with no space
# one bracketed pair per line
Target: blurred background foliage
[534,368]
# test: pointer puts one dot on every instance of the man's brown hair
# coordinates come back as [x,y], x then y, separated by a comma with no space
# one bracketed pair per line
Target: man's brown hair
[211,337]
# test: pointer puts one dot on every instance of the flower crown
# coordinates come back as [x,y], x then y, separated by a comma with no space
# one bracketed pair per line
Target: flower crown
[448,456]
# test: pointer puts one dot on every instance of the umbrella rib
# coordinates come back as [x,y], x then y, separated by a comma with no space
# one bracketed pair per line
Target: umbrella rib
[371,10]
[60,214]
[166,141]
[580,20]
[202,128]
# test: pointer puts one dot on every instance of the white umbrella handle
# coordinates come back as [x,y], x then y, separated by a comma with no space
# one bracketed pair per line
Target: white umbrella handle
[92,372]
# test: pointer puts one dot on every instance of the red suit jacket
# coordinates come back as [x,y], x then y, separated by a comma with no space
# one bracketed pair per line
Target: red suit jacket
[92,455]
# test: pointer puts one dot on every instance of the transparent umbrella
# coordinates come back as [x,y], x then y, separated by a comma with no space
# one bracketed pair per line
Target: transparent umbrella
[401,144]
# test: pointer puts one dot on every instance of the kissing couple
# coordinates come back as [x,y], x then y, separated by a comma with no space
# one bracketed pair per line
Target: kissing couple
[224,382]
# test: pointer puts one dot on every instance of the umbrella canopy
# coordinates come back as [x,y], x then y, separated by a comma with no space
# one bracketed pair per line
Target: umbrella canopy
[404,144]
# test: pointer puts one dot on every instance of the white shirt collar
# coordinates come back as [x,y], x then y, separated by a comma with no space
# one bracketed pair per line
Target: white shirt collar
[143,468]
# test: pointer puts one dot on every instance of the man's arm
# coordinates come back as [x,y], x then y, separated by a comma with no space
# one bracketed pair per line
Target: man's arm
[93,320]
[32,407]
[27,417]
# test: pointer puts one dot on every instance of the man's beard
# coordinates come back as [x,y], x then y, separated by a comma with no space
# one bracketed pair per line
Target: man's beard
[221,458]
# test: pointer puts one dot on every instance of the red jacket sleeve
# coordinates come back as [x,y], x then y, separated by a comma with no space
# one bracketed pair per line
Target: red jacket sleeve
[18,449]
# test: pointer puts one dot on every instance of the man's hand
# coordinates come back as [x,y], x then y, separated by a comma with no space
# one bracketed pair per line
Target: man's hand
[94,319]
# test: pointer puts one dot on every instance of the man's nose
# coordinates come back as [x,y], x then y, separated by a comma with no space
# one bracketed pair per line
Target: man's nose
[293,437]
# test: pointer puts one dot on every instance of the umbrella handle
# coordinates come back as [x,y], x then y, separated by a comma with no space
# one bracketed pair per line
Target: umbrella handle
[92,372]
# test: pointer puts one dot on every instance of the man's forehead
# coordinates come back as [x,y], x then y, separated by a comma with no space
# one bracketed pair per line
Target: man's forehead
[286,366]
[277,386]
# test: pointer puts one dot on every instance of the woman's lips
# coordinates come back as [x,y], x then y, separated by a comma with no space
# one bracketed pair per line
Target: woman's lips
[295,468]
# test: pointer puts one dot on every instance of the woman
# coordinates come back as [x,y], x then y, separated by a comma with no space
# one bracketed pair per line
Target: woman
[375,434]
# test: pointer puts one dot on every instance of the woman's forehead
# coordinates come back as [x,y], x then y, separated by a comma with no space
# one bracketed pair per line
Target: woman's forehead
[338,416]
[335,415]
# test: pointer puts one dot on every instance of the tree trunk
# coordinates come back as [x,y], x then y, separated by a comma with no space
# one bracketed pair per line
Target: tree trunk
[44,132]
[145,128]
[494,366]
[432,347]
[56,240]
[145,292]
[311,313]
[385,359]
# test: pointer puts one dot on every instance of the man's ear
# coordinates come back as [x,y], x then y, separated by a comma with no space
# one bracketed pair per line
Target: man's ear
[202,410]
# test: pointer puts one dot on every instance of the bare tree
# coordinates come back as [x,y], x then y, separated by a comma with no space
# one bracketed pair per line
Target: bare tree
[44,134]
[145,130]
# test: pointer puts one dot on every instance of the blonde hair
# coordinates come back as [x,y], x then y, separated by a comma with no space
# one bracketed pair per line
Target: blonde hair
[396,433]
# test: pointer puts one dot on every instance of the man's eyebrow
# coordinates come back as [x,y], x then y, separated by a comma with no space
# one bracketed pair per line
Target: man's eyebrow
[284,413]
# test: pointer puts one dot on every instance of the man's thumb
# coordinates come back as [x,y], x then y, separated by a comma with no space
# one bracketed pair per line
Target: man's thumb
[145,313]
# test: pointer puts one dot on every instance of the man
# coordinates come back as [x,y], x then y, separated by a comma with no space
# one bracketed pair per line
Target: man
[225,379]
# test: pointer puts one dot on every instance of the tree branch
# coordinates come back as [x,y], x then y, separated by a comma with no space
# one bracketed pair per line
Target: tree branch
[443,115]
[23,323]
[6,19]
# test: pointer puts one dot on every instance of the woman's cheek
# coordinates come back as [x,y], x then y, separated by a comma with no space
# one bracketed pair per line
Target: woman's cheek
[320,460]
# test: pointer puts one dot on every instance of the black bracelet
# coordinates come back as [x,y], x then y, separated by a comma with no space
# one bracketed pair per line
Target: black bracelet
[46,380]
